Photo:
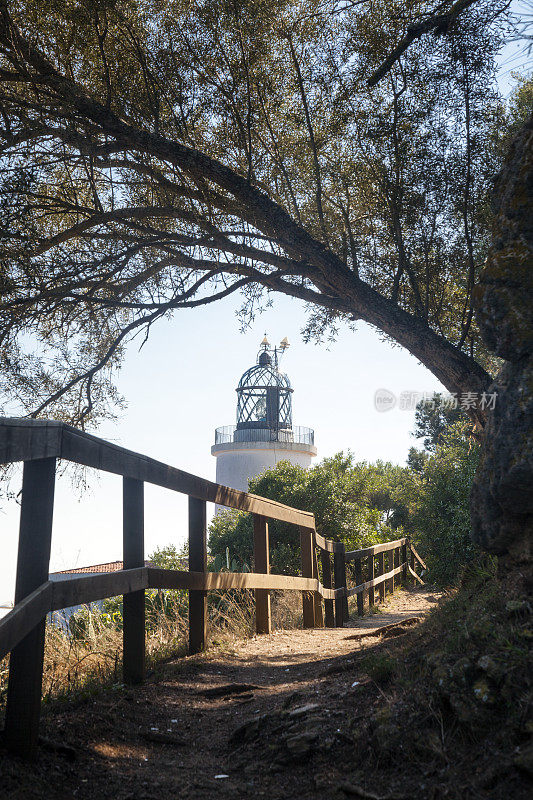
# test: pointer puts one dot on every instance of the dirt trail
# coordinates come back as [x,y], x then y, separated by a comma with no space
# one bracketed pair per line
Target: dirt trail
[269,715]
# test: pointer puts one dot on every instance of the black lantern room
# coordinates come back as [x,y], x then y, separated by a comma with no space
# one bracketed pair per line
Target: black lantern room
[264,393]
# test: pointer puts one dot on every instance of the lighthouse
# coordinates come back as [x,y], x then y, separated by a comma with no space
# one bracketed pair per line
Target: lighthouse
[264,433]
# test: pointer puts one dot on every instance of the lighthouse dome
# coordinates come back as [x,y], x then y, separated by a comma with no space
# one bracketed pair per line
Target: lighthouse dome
[264,433]
[264,396]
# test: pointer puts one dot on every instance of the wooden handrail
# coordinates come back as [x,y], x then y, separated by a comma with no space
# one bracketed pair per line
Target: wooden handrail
[39,443]
[328,545]
[213,581]
[28,440]
[414,575]
[357,555]
[420,561]
[374,582]
[23,618]
[67,592]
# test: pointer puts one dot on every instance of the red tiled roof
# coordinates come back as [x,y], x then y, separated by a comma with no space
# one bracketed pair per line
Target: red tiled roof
[111,566]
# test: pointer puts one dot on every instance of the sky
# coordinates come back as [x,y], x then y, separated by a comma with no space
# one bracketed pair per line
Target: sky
[181,386]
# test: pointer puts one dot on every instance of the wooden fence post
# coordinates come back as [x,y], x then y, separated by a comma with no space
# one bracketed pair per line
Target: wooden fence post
[391,565]
[381,570]
[371,576]
[133,603]
[261,564]
[345,599]
[329,613]
[197,563]
[339,571]
[317,599]
[306,548]
[358,581]
[26,661]
[403,560]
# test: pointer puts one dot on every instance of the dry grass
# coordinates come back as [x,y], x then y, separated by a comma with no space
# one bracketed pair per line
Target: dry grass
[75,667]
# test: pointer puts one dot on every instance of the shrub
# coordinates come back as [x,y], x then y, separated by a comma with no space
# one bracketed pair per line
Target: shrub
[442,517]
[356,503]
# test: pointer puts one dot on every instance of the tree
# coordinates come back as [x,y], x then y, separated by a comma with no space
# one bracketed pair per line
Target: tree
[501,508]
[159,156]
[442,516]
[433,417]
[514,115]
[416,460]
[355,503]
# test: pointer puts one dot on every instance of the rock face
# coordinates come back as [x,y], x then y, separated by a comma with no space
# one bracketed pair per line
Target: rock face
[502,495]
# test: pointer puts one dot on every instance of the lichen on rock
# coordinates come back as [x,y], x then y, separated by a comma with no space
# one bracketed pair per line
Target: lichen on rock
[502,494]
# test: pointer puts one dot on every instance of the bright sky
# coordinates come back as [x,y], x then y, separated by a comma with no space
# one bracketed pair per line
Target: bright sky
[181,386]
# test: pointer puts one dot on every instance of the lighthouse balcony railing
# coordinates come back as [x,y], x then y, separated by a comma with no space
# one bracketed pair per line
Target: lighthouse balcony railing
[297,434]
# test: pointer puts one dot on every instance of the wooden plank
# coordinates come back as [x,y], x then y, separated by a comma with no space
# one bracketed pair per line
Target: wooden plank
[219,581]
[371,576]
[83,589]
[339,571]
[90,588]
[420,561]
[372,584]
[329,613]
[18,622]
[378,632]
[197,563]
[328,545]
[27,440]
[412,561]
[359,582]
[306,553]
[357,555]
[26,662]
[133,602]
[413,573]
[403,559]
[24,440]
[381,570]
[83,448]
[261,565]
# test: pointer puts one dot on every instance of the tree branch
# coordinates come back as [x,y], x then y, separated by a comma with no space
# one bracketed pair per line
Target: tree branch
[438,23]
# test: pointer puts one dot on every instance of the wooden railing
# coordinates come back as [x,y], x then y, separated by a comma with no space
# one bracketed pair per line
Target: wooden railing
[39,444]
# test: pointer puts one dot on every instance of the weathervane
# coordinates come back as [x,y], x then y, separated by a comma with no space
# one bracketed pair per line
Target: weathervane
[275,354]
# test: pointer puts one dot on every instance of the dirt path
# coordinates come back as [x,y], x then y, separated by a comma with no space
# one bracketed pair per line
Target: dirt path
[260,720]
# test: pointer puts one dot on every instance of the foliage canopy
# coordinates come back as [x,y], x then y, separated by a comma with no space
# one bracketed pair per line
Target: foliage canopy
[355,503]
[165,154]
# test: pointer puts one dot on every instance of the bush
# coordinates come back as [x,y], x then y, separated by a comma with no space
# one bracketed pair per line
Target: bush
[358,504]
[442,517]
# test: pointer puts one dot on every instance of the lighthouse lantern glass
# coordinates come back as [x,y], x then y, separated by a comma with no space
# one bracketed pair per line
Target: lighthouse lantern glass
[264,398]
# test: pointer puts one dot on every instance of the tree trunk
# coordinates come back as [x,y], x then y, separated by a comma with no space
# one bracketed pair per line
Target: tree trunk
[502,495]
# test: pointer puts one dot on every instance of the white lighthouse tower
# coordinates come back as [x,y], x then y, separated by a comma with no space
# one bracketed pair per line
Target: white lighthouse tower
[264,433]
